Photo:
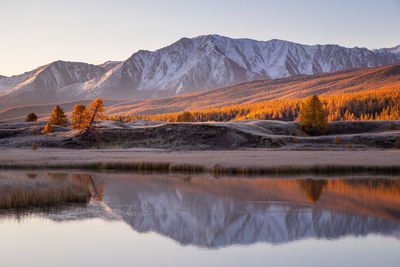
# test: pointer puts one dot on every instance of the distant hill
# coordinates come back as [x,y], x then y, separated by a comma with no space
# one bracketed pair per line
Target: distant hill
[387,77]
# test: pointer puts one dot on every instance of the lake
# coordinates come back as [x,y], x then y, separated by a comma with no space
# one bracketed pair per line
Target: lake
[185,220]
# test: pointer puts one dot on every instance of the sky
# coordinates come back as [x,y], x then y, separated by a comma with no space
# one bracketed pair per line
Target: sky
[34,33]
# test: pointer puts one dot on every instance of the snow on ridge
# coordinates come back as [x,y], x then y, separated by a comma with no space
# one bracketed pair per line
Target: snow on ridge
[195,64]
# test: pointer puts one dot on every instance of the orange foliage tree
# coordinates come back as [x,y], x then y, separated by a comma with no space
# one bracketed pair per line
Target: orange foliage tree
[58,117]
[80,117]
[31,117]
[185,117]
[383,104]
[313,117]
[96,110]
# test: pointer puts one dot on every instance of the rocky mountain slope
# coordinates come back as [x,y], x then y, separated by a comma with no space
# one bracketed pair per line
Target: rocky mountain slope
[187,65]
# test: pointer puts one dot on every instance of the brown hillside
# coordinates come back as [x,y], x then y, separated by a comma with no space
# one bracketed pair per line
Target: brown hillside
[387,77]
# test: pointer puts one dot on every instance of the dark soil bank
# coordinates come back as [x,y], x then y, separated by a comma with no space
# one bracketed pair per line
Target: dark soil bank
[205,136]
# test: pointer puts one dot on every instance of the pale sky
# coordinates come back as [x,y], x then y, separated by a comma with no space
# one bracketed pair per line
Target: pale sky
[37,32]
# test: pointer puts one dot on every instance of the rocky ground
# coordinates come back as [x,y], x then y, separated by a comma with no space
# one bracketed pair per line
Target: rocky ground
[255,134]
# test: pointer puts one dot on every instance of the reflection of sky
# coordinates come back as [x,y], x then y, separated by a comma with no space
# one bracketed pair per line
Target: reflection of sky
[41,242]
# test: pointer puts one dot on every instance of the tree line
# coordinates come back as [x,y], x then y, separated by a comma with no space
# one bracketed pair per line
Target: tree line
[82,116]
[367,105]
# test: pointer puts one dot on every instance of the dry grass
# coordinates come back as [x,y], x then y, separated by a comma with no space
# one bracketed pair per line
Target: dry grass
[165,167]
[39,191]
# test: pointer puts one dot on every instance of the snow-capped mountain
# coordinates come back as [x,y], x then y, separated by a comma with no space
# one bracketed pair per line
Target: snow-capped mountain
[188,65]
[48,83]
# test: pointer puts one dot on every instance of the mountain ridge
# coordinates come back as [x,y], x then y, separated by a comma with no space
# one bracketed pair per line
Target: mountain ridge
[188,65]
[387,77]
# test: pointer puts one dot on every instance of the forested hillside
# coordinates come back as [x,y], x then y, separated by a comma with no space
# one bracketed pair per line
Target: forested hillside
[368,105]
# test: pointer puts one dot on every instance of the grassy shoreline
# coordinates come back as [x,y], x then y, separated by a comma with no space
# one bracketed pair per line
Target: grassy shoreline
[35,191]
[166,167]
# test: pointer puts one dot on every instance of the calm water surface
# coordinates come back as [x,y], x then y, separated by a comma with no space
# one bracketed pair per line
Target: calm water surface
[158,220]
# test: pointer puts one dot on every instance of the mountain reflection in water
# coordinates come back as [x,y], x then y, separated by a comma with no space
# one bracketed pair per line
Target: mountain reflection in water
[210,212]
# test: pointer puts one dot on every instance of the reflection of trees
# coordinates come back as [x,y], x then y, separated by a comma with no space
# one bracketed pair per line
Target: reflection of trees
[96,189]
[187,179]
[31,175]
[312,188]
[57,176]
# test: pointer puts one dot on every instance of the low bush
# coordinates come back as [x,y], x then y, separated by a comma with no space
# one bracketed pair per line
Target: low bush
[337,140]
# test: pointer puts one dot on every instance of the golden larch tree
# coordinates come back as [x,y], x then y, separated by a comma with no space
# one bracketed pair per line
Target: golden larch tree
[31,117]
[186,116]
[47,128]
[313,117]
[80,117]
[96,110]
[58,117]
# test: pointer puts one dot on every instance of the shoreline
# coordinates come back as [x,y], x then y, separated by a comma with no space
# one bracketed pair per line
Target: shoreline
[238,162]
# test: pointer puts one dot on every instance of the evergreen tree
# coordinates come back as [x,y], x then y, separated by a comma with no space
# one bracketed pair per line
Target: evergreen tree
[31,117]
[96,110]
[313,118]
[47,128]
[80,117]
[58,117]
[185,117]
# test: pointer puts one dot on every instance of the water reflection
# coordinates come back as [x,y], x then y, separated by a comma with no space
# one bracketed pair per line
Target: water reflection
[313,188]
[213,213]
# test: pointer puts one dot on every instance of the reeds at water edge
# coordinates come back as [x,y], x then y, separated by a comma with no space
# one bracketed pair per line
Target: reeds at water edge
[40,192]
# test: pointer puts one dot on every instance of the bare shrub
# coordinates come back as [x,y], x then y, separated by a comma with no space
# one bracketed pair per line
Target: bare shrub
[349,145]
[337,140]
[34,146]
[397,143]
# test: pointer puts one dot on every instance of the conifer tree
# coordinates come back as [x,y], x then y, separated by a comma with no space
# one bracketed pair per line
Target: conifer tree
[185,117]
[31,117]
[58,117]
[313,118]
[80,117]
[47,128]
[96,110]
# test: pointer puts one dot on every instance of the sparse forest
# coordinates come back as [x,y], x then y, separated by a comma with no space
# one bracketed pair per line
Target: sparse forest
[367,105]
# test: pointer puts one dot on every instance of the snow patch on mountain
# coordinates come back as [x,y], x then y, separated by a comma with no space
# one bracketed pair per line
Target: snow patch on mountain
[188,65]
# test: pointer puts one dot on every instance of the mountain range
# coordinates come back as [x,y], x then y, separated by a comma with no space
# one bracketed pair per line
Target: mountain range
[188,65]
[386,77]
